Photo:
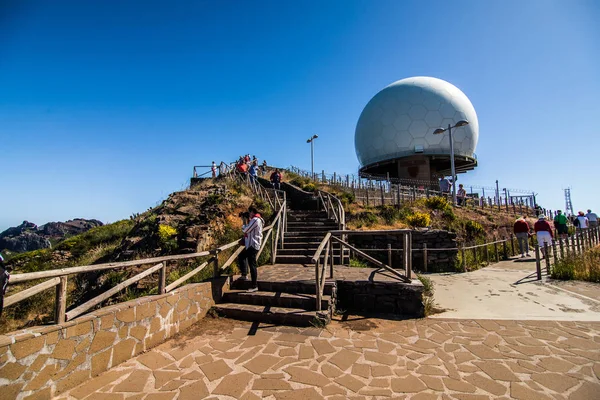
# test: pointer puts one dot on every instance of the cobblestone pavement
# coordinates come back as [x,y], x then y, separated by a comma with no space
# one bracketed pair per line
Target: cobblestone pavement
[364,359]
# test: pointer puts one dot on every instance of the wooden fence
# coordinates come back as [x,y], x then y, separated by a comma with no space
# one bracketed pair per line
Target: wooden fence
[565,247]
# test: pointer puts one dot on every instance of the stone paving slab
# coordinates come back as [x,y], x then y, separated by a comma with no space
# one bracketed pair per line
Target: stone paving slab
[300,272]
[364,358]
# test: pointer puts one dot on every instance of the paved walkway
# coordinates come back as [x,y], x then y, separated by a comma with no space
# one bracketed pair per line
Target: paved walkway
[509,290]
[364,359]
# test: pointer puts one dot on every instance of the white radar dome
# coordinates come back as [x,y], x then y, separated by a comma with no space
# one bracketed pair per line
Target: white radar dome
[399,121]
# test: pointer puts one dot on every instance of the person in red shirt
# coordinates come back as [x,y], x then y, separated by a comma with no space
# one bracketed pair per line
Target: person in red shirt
[521,230]
[544,234]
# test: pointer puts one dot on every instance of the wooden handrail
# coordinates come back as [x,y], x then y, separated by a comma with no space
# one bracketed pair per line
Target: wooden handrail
[24,294]
[99,299]
[323,243]
[373,260]
[187,276]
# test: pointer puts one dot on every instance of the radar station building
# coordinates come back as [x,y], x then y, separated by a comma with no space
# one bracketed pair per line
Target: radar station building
[395,132]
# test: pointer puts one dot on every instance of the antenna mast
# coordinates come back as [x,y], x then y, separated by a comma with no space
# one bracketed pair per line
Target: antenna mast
[568,204]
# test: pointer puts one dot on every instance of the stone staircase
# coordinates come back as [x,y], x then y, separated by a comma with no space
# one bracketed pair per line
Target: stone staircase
[287,302]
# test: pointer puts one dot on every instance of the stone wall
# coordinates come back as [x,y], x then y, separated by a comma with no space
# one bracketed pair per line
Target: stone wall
[402,299]
[437,261]
[43,362]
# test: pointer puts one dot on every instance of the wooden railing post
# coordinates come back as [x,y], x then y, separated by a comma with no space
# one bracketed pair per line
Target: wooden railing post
[538,264]
[496,251]
[61,301]
[505,249]
[215,261]
[512,244]
[317,286]
[577,238]
[554,252]
[409,256]
[464,259]
[331,258]
[162,279]
[389,255]
[547,257]
[425,257]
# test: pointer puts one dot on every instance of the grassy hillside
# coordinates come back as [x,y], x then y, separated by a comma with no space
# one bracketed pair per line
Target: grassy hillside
[197,219]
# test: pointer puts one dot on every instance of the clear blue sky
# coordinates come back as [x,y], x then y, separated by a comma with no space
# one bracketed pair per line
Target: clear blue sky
[106,106]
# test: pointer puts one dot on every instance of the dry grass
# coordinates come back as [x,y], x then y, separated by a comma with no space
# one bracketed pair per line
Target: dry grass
[582,267]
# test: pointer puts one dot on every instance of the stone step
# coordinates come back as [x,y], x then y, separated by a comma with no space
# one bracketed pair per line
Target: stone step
[303,238]
[304,287]
[306,252]
[276,299]
[304,245]
[310,227]
[318,222]
[300,259]
[273,315]
[309,233]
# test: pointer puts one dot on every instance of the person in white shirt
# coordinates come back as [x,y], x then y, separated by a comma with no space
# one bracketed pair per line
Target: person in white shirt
[252,239]
[592,218]
[582,220]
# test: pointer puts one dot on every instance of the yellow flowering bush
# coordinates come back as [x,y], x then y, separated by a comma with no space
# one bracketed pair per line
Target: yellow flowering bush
[419,220]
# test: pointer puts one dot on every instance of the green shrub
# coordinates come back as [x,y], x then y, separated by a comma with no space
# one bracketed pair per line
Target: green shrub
[438,203]
[347,198]
[309,187]
[367,218]
[473,229]
[419,220]
[449,215]
[357,263]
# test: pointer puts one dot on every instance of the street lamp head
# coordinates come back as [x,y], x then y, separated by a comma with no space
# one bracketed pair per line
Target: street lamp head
[308,140]
[438,131]
[461,123]
[315,136]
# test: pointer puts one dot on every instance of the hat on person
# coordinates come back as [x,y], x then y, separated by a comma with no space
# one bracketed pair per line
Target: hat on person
[581,213]
[542,216]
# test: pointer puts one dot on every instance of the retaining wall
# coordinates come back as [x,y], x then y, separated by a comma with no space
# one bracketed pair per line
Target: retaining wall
[437,261]
[43,362]
[398,298]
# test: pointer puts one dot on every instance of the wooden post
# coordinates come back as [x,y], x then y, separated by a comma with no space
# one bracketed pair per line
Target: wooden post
[317,286]
[367,196]
[162,279]
[215,260]
[496,251]
[547,257]
[398,195]
[578,245]
[464,259]
[538,264]
[425,257]
[487,254]
[512,244]
[562,250]
[567,247]
[331,257]
[60,305]
[382,194]
[389,255]
[505,249]
[554,252]
[409,272]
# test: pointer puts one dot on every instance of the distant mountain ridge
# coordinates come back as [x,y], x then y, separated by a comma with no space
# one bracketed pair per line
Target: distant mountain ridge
[28,236]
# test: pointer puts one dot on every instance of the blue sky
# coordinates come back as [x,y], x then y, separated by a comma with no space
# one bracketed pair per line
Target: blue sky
[106,106]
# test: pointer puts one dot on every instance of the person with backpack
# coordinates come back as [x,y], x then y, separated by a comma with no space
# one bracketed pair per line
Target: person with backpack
[560,223]
[253,235]
[276,179]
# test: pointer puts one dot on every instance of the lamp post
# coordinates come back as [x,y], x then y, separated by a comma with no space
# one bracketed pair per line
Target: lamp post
[312,156]
[452,168]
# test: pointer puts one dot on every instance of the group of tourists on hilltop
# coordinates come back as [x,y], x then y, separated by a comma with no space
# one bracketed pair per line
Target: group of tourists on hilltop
[545,232]
[461,193]
[250,166]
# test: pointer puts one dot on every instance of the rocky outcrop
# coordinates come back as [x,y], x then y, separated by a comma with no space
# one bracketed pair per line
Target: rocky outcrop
[28,236]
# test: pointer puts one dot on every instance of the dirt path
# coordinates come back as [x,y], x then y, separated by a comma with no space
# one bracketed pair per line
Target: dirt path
[509,290]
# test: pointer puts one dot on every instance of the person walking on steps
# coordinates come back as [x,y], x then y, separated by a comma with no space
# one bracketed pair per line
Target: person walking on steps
[276,179]
[543,231]
[253,236]
[521,230]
